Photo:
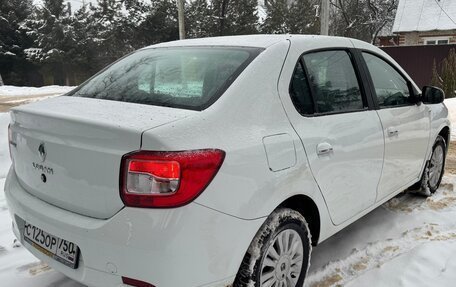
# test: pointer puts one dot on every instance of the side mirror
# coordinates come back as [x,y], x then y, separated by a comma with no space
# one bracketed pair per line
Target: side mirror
[432,95]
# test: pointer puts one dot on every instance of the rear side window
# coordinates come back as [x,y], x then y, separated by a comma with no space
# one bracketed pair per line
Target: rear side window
[184,77]
[300,91]
[391,87]
[333,81]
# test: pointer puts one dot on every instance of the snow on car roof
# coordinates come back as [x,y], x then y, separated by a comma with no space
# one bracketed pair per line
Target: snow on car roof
[425,15]
[258,41]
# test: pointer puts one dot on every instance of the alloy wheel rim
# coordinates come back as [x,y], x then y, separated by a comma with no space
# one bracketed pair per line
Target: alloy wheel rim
[282,263]
[436,166]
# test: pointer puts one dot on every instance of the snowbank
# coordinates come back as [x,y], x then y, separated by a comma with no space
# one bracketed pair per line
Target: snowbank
[4,152]
[13,91]
[409,241]
[451,105]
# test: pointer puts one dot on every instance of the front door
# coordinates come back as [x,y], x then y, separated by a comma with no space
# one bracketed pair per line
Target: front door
[406,126]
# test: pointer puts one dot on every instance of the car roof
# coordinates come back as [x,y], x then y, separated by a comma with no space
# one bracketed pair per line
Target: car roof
[258,41]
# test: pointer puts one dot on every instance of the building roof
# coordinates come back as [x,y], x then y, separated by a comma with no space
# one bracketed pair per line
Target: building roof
[425,15]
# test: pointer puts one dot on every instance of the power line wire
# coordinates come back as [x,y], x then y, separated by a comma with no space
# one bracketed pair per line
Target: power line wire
[443,10]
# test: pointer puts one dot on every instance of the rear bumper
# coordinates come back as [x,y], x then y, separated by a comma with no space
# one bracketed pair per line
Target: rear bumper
[187,246]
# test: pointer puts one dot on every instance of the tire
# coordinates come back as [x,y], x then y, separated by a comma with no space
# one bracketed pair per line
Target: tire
[435,168]
[259,263]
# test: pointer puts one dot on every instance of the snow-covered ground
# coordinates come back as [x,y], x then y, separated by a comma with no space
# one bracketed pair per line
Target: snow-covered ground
[451,104]
[13,91]
[409,241]
[13,96]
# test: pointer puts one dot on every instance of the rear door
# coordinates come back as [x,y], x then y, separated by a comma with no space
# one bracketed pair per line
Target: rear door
[341,135]
[406,125]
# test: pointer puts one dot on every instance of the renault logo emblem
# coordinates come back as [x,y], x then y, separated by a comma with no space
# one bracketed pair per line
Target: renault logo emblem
[42,151]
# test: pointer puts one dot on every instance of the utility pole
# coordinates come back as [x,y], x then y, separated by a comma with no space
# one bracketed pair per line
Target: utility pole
[180,9]
[324,17]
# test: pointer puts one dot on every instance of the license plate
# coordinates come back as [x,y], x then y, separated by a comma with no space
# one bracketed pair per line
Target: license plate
[62,250]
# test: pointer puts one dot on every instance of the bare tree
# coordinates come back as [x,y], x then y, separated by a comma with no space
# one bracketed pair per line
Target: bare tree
[1,80]
[382,14]
[362,19]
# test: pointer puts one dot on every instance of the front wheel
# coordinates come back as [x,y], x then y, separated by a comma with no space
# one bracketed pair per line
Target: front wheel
[433,173]
[279,254]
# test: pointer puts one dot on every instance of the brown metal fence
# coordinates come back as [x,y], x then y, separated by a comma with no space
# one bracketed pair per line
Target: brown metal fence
[418,60]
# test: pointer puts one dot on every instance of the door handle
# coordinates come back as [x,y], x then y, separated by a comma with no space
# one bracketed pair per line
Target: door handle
[393,132]
[324,148]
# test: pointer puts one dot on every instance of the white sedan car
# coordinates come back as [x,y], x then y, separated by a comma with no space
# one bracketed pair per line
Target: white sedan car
[219,161]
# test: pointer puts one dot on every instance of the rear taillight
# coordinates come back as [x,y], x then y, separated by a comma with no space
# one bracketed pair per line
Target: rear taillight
[167,179]
[134,282]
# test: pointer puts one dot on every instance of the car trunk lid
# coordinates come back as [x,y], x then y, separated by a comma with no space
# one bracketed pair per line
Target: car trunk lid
[68,150]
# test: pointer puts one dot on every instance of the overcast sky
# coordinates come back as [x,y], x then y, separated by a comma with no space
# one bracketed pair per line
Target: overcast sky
[75,4]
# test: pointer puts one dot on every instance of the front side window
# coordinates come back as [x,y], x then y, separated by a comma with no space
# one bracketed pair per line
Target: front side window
[183,77]
[390,86]
[333,81]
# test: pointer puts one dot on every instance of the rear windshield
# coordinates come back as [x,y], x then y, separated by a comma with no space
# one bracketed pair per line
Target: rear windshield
[184,77]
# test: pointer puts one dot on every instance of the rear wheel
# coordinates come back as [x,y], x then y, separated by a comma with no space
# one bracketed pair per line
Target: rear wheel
[279,254]
[433,173]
